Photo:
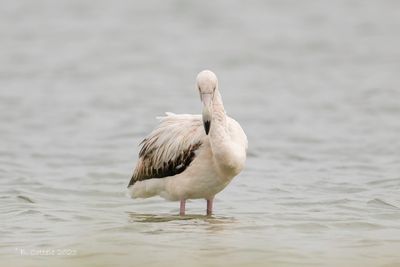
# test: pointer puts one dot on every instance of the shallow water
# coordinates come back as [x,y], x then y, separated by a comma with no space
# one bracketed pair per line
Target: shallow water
[314,84]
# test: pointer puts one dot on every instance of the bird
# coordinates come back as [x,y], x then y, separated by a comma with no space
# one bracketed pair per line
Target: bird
[191,156]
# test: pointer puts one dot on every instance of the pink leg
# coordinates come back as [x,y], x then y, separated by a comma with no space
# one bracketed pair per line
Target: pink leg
[182,208]
[209,206]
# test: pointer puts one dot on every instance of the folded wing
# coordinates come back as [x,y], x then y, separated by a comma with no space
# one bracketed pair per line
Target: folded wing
[170,148]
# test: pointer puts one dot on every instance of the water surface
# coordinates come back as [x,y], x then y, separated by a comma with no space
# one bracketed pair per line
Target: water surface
[314,84]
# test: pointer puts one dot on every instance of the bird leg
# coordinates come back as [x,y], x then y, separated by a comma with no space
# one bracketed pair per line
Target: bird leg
[182,208]
[209,206]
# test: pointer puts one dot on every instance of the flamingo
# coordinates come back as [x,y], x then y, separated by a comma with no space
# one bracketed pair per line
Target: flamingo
[191,156]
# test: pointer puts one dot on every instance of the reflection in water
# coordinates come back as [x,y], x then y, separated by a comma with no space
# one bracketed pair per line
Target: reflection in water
[155,218]
[159,218]
[188,222]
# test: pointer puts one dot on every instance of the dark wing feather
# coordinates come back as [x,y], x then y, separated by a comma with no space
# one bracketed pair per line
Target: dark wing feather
[170,148]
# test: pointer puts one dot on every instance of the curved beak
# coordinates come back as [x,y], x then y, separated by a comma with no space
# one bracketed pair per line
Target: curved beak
[206,98]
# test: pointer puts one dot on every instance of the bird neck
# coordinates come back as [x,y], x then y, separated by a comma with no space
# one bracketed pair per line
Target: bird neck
[219,137]
[219,114]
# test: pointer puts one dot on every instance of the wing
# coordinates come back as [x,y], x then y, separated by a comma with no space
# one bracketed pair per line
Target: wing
[170,148]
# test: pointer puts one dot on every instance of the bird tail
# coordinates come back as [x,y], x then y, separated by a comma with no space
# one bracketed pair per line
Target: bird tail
[146,188]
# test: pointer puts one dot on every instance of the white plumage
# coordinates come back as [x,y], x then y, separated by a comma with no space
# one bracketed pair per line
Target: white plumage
[191,156]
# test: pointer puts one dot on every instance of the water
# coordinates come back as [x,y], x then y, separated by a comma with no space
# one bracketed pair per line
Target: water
[314,84]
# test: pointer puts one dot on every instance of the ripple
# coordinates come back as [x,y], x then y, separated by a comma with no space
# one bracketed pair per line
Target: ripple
[386,182]
[304,226]
[358,225]
[314,203]
[23,213]
[379,203]
[27,199]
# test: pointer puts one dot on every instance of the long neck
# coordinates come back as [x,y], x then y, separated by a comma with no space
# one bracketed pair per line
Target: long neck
[218,115]
[219,137]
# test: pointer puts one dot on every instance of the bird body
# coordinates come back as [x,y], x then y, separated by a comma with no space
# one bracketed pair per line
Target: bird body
[191,156]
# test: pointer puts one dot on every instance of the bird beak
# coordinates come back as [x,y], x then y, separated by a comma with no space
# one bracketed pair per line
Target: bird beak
[207,100]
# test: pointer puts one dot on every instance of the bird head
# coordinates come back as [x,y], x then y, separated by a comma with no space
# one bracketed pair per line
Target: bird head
[207,83]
